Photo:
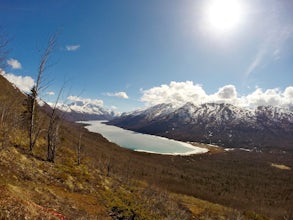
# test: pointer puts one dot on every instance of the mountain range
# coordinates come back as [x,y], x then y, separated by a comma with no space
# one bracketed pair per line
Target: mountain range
[221,124]
[81,110]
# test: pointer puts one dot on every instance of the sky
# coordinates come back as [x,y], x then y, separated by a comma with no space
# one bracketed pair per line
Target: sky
[134,53]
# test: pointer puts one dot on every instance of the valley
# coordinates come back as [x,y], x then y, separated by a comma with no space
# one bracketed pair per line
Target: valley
[146,110]
[112,181]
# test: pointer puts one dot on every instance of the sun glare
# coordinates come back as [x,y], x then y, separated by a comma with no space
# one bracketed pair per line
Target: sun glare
[224,15]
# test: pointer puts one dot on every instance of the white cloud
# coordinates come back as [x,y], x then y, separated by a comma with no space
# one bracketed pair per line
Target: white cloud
[288,96]
[122,95]
[15,64]
[24,83]
[288,93]
[178,93]
[227,92]
[50,93]
[84,101]
[72,47]
[269,97]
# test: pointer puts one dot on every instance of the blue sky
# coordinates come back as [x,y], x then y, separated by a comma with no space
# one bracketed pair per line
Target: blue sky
[127,53]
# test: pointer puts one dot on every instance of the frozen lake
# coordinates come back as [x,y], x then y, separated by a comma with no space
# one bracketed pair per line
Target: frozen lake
[142,142]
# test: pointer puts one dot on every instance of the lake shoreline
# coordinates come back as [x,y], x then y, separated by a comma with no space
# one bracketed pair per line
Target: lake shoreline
[142,142]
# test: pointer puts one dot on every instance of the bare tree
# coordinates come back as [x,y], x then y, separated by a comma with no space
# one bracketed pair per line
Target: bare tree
[52,139]
[53,130]
[56,118]
[34,129]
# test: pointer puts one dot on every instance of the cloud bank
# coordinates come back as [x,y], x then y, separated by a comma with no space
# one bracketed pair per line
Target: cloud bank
[14,64]
[122,95]
[24,83]
[178,93]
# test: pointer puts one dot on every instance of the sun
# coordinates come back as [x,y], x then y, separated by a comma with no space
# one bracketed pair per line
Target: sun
[224,15]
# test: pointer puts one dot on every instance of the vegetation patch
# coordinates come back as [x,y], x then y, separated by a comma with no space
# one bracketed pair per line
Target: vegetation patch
[281,166]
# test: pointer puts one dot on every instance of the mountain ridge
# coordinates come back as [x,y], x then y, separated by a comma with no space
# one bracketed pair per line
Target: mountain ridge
[84,111]
[220,123]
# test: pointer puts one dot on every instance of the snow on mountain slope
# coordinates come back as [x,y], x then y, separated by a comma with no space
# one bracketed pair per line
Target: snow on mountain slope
[275,113]
[213,122]
[82,110]
[152,112]
[216,112]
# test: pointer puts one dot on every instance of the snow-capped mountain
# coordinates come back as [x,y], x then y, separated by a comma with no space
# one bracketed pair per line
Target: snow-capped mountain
[83,111]
[223,124]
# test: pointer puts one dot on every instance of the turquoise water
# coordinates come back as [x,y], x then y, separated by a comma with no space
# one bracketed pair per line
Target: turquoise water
[142,142]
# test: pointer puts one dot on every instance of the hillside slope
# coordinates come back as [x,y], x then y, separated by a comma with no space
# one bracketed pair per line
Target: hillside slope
[32,188]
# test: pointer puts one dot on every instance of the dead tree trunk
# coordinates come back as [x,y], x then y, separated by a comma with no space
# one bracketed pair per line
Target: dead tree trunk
[52,138]
[53,131]
[32,115]
[34,130]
